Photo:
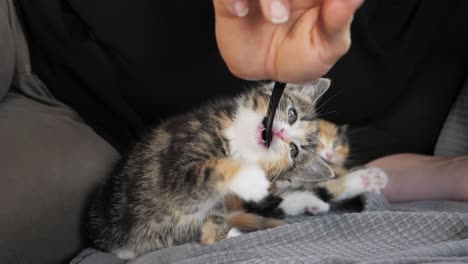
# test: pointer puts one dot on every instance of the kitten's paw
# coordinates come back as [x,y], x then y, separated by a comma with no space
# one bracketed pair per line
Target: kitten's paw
[250,183]
[300,202]
[364,180]
[373,180]
[316,209]
[233,233]
[124,254]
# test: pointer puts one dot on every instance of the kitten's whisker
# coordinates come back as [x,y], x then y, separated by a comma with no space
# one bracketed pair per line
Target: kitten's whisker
[278,172]
[276,177]
[328,100]
[326,113]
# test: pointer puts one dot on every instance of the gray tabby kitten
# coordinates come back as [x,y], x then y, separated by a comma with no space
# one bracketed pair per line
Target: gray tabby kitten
[183,182]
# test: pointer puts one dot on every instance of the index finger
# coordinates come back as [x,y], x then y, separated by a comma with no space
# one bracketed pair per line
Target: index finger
[276,11]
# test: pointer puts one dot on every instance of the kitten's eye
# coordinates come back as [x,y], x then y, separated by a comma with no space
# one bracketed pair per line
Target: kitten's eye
[292,115]
[294,150]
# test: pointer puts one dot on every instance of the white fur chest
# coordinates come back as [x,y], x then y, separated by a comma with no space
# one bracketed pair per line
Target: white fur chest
[243,136]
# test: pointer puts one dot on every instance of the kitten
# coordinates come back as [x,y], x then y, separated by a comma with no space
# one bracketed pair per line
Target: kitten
[298,197]
[187,180]
[333,146]
[313,198]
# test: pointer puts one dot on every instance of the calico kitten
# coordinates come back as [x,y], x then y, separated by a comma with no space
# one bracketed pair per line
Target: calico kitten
[313,198]
[298,197]
[333,145]
[188,179]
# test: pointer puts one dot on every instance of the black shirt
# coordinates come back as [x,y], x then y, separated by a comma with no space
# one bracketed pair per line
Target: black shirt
[124,65]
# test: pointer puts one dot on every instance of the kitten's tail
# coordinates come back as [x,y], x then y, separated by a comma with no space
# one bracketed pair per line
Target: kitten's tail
[252,222]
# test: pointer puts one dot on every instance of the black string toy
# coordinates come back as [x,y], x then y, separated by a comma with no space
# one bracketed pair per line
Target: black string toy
[275,98]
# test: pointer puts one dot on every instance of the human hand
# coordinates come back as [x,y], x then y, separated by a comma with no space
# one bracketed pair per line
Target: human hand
[283,40]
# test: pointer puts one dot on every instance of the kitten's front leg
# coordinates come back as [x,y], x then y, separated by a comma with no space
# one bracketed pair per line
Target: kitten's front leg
[353,184]
[250,183]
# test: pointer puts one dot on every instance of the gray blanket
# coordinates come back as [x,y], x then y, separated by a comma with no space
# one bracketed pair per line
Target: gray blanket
[418,232]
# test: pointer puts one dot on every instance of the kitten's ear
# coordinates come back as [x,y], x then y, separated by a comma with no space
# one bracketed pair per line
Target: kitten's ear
[342,129]
[268,86]
[316,170]
[314,89]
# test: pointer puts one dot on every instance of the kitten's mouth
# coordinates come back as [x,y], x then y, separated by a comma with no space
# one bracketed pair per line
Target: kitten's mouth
[262,133]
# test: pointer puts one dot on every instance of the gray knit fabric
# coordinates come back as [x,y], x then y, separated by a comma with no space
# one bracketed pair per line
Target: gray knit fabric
[419,232]
[453,139]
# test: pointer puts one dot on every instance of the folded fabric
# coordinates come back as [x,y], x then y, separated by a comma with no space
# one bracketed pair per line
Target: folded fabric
[418,232]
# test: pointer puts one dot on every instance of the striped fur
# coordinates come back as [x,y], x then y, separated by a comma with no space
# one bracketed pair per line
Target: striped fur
[172,186]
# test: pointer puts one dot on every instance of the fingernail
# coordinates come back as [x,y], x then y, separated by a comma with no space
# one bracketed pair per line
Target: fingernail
[240,8]
[279,12]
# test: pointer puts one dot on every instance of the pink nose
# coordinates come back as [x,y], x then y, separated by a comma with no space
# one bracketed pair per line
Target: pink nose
[280,134]
[329,155]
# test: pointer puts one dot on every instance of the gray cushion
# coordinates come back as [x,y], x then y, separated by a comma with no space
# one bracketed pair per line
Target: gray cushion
[7,50]
[50,161]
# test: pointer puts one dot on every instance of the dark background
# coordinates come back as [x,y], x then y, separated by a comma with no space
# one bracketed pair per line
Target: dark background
[124,65]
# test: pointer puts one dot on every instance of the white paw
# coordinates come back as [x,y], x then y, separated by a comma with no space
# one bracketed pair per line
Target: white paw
[373,180]
[124,254]
[365,180]
[300,202]
[250,183]
[319,208]
[233,233]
